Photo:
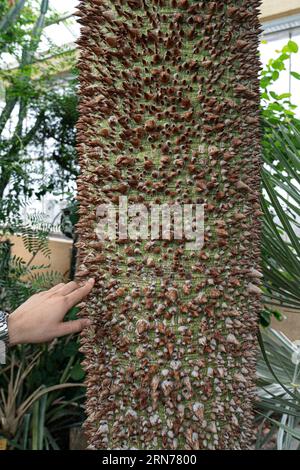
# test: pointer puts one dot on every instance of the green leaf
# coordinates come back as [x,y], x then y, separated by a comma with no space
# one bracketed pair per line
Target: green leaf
[296,75]
[264,96]
[265,82]
[70,349]
[293,46]
[265,318]
[77,372]
[72,314]
[264,353]
[278,65]
[276,107]
[284,95]
[285,49]
[288,429]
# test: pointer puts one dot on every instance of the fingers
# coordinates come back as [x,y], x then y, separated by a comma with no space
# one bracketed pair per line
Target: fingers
[66,289]
[55,288]
[74,326]
[51,291]
[77,295]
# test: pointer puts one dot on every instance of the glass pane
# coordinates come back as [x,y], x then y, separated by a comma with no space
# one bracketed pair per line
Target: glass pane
[65,6]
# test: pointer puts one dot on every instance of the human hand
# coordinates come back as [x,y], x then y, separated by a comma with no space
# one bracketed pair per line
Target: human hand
[40,318]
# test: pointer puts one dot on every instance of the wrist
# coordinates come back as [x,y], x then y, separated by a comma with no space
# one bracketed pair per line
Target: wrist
[13,329]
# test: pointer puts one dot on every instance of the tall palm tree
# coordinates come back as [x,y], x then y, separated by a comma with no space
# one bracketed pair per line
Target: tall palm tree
[169,114]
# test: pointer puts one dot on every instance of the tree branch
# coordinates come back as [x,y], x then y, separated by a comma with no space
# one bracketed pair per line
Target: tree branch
[27,56]
[15,148]
[6,113]
[30,134]
[28,52]
[59,19]
[11,16]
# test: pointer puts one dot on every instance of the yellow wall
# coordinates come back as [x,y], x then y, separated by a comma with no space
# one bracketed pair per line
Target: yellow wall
[272,9]
[290,324]
[60,254]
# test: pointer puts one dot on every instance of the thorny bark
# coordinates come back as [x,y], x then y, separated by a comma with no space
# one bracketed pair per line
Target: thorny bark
[169,111]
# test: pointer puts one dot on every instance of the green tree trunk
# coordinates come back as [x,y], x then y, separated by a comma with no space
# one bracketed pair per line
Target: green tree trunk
[169,113]
[10,149]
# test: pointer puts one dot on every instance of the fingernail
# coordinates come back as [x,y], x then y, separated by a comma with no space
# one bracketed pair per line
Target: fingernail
[91,280]
[87,323]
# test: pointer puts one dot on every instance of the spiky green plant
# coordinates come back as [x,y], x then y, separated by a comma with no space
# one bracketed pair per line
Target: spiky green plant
[280,203]
[39,397]
[169,103]
[278,361]
[278,372]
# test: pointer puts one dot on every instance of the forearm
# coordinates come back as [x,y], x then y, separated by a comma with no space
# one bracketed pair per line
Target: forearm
[40,319]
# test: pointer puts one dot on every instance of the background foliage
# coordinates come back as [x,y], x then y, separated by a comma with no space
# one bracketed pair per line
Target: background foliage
[40,395]
[278,369]
[39,111]
[280,190]
[37,156]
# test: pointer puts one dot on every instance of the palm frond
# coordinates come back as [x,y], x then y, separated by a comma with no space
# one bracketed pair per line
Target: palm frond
[278,371]
[280,205]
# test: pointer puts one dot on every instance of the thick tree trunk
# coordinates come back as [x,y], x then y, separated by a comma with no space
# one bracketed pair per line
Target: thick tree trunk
[169,113]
